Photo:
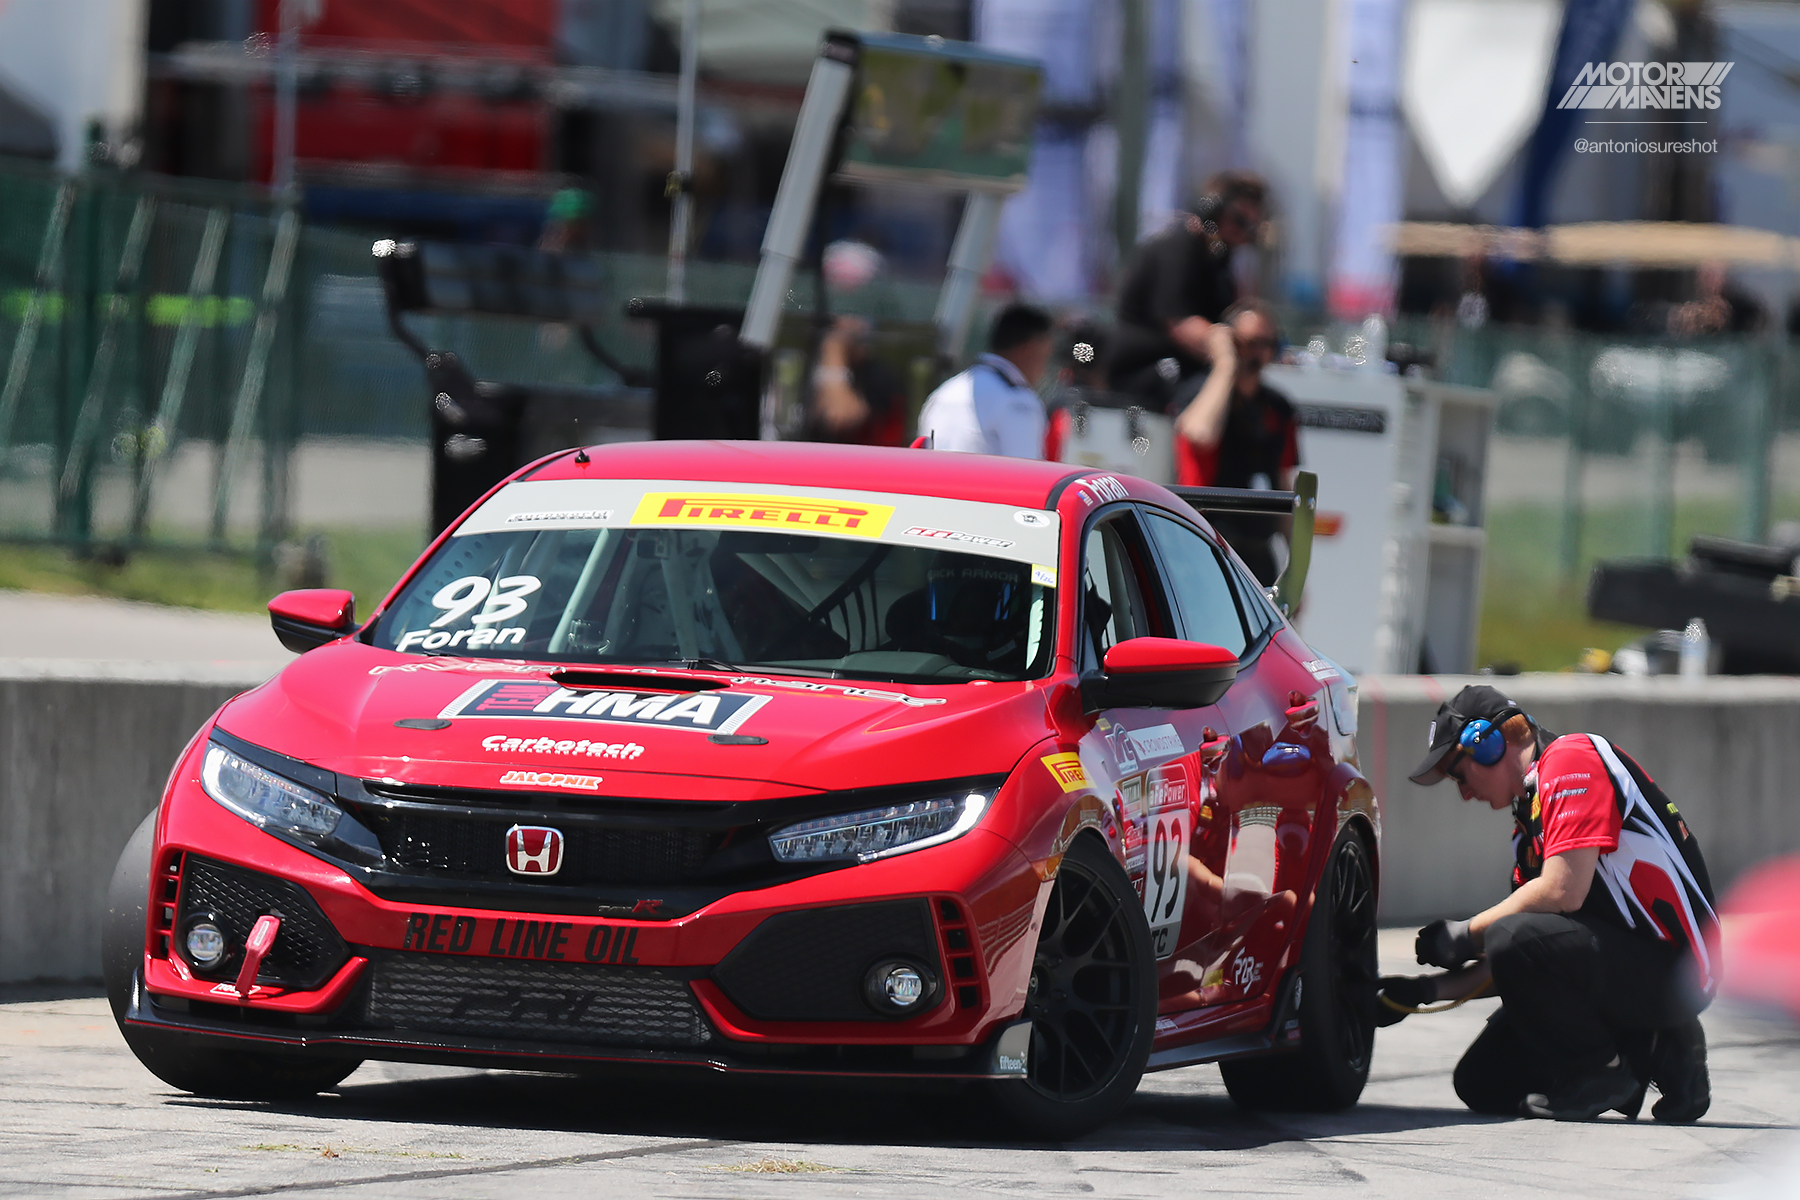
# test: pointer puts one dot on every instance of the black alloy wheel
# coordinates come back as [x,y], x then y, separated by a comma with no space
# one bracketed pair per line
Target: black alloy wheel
[1092,1001]
[1337,1018]
[1353,952]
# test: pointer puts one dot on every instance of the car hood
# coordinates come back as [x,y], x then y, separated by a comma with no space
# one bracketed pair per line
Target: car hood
[337,707]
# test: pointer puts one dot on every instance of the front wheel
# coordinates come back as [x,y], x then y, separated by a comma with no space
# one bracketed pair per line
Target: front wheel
[1093,1002]
[175,1058]
[1338,976]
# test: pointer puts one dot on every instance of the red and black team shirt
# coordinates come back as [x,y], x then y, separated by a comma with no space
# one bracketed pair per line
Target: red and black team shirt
[1651,878]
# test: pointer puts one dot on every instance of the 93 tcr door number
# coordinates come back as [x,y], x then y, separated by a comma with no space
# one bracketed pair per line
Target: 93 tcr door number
[1157,816]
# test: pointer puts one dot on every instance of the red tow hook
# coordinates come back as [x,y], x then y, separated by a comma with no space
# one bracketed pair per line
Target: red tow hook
[262,936]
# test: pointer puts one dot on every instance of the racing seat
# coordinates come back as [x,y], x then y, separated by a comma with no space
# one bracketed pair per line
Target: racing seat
[967,616]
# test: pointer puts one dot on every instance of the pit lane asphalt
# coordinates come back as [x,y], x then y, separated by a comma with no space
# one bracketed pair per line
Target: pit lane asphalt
[80,1118]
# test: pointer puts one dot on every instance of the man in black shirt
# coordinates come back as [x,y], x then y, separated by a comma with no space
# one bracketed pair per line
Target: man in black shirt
[1239,432]
[1178,285]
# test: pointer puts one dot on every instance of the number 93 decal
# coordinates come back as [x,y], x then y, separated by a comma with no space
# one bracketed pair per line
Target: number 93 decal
[505,599]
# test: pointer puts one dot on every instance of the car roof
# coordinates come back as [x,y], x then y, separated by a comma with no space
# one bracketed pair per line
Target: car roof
[1021,482]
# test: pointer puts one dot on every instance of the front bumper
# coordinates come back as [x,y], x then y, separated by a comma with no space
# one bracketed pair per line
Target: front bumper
[756,980]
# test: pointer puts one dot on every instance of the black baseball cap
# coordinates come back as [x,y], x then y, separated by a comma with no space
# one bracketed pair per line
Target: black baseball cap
[1477,702]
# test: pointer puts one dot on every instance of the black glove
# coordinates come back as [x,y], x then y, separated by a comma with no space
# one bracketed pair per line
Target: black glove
[1445,944]
[1410,991]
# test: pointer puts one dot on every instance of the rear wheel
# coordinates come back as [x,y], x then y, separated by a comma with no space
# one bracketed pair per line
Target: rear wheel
[175,1058]
[1338,976]
[1093,1002]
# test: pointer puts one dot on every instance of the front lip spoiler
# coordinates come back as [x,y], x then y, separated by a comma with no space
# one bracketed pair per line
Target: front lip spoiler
[444,1050]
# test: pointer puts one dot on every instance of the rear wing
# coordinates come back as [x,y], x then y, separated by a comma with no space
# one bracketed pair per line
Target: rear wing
[1301,504]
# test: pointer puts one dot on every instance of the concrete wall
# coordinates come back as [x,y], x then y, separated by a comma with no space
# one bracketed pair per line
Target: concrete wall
[1726,750]
[86,747]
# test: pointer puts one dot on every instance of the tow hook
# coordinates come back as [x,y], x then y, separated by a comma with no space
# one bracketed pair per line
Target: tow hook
[256,946]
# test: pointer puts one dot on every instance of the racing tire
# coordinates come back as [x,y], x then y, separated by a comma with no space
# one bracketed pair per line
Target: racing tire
[174,1058]
[1337,1021]
[1092,1004]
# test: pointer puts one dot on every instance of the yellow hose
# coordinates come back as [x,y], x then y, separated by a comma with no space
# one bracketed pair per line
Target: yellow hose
[1442,1008]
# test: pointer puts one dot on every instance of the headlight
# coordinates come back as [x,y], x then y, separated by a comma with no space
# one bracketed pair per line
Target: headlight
[265,799]
[878,832]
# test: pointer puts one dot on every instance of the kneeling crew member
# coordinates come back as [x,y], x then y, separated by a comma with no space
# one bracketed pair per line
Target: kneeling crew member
[1608,948]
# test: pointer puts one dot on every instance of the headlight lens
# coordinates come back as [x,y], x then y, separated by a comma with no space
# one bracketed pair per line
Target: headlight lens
[265,799]
[879,832]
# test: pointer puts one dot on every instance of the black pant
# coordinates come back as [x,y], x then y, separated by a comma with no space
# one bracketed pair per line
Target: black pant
[1575,991]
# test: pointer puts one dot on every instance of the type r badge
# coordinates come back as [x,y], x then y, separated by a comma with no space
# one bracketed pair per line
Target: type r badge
[534,850]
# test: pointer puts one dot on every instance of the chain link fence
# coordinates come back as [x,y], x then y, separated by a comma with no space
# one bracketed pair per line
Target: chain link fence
[182,364]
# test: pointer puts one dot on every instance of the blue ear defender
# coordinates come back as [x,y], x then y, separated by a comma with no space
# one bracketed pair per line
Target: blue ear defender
[1482,741]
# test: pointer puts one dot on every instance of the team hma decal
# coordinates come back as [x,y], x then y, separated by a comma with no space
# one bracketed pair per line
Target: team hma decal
[796,514]
[702,712]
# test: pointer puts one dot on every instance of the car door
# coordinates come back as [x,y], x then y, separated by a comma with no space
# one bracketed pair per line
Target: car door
[1260,788]
[1148,760]
[1230,858]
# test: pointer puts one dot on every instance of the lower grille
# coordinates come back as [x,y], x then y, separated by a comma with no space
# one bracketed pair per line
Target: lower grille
[454,844]
[307,950]
[809,965]
[533,1001]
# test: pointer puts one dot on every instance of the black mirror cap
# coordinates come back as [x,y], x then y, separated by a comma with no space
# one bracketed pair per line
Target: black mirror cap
[301,636]
[1193,687]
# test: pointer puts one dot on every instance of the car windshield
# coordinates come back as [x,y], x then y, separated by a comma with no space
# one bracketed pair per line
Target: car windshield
[844,606]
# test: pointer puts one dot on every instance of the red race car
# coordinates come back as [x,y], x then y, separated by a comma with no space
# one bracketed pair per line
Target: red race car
[774,758]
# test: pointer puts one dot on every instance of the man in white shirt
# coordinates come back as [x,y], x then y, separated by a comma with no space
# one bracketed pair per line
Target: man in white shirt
[991,408]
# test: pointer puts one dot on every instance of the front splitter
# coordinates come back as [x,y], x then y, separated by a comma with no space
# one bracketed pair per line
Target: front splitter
[998,1059]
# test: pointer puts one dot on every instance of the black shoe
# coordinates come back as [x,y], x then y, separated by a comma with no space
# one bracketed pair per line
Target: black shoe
[1633,1104]
[1680,1074]
[1586,1097]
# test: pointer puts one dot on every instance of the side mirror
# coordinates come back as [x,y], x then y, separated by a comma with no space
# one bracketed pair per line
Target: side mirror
[309,618]
[1155,672]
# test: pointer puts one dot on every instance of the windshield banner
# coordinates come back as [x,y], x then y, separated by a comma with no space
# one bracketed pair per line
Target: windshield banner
[1025,535]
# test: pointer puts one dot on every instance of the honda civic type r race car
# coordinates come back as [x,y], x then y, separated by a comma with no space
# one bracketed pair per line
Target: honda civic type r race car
[785,759]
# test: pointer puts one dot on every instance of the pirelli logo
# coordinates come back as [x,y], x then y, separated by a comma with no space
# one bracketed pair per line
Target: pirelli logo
[1067,770]
[796,514]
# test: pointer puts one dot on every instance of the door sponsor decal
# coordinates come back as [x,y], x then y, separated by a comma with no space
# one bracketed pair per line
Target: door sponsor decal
[1158,741]
[1066,769]
[1246,972]
[1156,809]
[696,712]
[796,514]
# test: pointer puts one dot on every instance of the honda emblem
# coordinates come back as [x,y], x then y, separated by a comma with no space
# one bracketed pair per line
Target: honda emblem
[534,850]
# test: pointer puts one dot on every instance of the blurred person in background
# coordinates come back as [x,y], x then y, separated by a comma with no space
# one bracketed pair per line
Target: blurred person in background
[1177,287]
[1239,432]
[856,396]
[993,407]
[1607,949]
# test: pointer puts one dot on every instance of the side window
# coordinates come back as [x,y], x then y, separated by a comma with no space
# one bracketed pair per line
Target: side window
[1198,580]
[1113,607]
[1259,614]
